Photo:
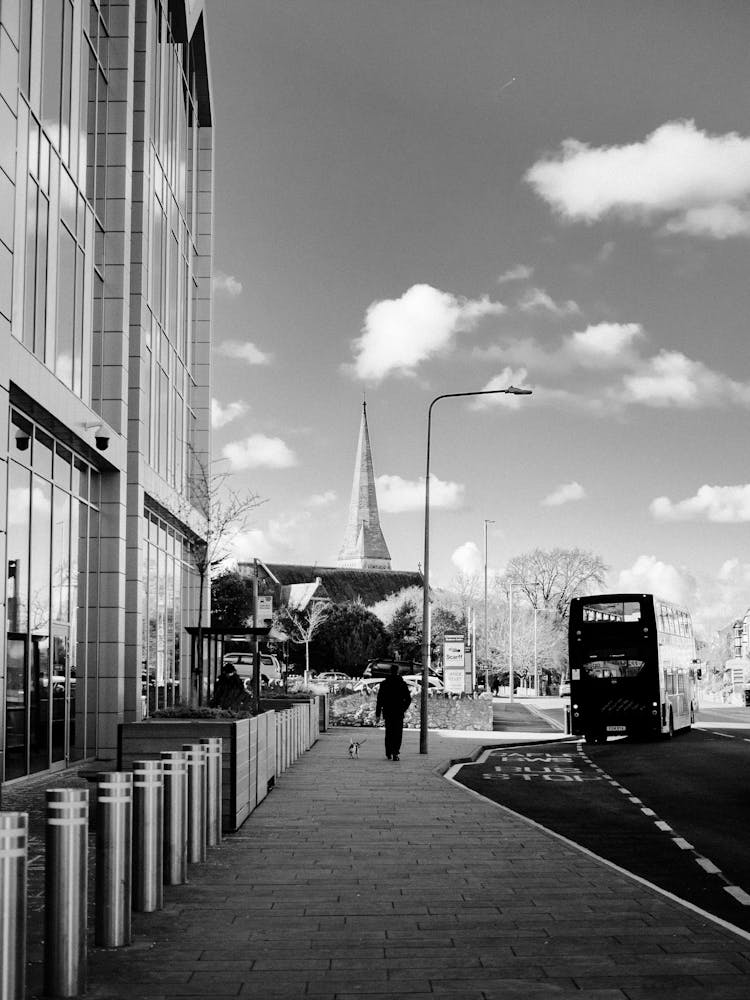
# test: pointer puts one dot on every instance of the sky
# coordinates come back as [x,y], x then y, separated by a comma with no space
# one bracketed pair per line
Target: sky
[418,197]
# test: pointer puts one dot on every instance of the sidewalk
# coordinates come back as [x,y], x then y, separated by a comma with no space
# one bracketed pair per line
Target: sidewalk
[374,878]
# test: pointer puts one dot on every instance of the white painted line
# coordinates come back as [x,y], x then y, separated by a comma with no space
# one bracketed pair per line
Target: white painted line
[727,736]
[648,812]
[663,826]
[635,800]
[625,791]
[739,894]
[693,907]
[708,866]
[682,844]
[615,784]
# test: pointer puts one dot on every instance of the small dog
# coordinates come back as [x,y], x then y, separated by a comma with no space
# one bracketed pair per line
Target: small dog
[354,747]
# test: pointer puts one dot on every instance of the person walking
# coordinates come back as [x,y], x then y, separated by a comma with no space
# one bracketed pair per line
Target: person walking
[393,700]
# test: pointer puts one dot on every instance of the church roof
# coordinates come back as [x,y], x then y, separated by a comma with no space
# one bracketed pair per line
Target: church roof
[343,585]
[364,542]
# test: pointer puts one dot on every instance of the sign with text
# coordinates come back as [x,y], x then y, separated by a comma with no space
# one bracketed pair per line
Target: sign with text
[454,680]
[265,611]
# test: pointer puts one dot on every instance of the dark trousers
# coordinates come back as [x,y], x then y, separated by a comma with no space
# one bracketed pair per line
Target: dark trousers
[394,732]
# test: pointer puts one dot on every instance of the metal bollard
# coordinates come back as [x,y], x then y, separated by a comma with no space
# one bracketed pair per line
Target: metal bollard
[196,769]
[148,819]
[568,723]
[14,839]
[114,857]
[66,891]
[175,816]
[213,750]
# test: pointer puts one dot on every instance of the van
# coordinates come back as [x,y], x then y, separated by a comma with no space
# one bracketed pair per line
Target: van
[270,668]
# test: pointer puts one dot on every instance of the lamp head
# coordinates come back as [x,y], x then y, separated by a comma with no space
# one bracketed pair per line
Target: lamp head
[515,391]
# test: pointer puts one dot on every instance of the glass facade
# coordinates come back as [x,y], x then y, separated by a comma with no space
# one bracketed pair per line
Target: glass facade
[168,604]
[106,169]
[53,528]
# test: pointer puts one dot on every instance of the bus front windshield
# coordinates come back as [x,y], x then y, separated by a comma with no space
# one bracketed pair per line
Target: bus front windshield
[606,669]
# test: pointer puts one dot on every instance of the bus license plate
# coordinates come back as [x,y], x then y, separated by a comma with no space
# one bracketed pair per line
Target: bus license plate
[617,729]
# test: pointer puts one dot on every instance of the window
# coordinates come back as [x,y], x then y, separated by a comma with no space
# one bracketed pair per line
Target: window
[611,611]
[613,668]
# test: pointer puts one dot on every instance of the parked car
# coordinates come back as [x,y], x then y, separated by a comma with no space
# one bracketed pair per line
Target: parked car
[367,685]
[270,668]
[434,684]
[334,680]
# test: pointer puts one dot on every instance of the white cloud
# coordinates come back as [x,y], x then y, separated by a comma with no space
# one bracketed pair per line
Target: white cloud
[223,415]
[399,334]
[698,183]
[243,350]
[280,538]
[397,495]
[227,284]
[519,273]
[536,300]
[322,499]
[604,345]
[720,504]
[565,493]
[648,575]
[467,559]
[259,452]
[672,379]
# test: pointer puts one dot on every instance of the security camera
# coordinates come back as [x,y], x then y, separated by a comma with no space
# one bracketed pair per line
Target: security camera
[23,439]
[101,439]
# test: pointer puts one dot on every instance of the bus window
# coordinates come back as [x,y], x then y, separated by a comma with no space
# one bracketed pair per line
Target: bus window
[669,683]
[611,611]
[603,669]
[680,684]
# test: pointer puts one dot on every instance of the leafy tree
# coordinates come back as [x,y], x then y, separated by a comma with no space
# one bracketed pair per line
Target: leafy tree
[231,600]
[350,636]
[405,632]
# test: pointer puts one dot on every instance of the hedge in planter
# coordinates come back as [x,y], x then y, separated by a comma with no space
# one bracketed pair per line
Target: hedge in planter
[462,712]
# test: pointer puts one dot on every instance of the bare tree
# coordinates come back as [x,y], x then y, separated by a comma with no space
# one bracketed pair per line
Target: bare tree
[302,625]
[224,512]
[550,578]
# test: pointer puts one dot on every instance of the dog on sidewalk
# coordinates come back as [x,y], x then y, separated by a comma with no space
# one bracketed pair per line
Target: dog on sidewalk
[354,748]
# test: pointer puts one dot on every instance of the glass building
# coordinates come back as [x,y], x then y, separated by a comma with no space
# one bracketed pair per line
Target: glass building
[106,214]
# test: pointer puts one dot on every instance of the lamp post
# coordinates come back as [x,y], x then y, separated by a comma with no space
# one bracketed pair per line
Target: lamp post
[513,391]
[546,611]
[486,660]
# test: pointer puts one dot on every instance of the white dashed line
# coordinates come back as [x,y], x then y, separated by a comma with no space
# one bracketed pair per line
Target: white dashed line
[682,844]
[739,894]
[635,801]
[708,866]
[625,791]
[727,736]
[648,812]
[663,826]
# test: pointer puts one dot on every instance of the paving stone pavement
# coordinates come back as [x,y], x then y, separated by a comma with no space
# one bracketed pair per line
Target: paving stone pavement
[381,879]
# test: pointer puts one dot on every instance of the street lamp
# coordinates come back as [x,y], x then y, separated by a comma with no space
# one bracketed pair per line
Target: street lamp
[512,391]
[486,661]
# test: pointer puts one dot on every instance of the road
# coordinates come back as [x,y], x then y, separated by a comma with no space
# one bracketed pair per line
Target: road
[674,812]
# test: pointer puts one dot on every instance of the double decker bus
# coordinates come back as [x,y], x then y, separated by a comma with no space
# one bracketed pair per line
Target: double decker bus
[632,666]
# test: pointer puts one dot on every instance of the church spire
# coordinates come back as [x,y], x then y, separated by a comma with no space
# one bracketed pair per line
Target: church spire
[364,546]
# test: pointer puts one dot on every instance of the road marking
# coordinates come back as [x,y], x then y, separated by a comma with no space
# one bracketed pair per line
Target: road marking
[739,894]
[625,791]
[682,843]
[727,736]
[663,826]
[648,812]
[635,801]
[708,866]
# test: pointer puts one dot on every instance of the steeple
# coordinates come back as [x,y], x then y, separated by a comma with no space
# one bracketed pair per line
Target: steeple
[364,545]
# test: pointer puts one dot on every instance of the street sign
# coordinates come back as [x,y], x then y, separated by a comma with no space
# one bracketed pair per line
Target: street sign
[265,611]
[453,680]
[454,651]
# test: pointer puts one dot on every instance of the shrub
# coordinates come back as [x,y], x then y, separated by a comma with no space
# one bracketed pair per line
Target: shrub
[443,712]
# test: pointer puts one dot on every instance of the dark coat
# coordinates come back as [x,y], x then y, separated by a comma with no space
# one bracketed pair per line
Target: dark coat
[394,697]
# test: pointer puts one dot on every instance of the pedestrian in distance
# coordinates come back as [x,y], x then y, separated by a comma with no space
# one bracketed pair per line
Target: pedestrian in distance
[495,686]
[393,700]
